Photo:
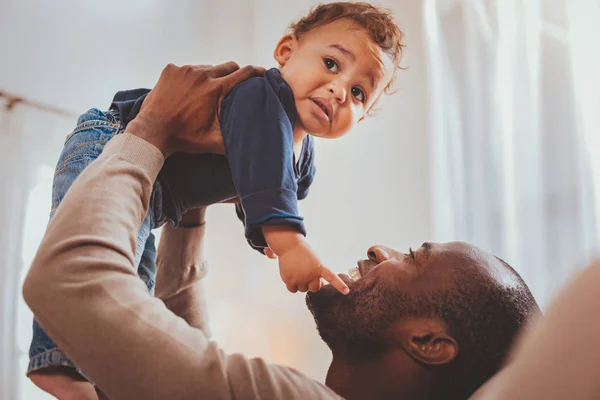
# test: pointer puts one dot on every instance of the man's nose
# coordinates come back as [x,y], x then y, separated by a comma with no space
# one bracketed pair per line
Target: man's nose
[338,90]
[378,253]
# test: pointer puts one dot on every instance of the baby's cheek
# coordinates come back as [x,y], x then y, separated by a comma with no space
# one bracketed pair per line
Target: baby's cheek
[297,88]
[344,127]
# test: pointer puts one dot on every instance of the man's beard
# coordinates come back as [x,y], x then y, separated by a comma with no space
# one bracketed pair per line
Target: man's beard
[354,325]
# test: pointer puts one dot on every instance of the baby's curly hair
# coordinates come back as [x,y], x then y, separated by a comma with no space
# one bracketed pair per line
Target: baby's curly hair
[377,21]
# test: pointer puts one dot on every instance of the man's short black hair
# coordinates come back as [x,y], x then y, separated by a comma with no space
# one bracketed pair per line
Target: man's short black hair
[484,317]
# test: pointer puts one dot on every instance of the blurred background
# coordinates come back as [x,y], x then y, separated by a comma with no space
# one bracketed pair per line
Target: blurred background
[492,137]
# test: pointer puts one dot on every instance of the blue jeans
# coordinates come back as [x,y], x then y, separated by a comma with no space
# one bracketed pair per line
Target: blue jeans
[82,146]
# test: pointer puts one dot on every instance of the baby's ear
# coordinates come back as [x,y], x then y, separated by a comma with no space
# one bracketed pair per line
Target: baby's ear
[284,49]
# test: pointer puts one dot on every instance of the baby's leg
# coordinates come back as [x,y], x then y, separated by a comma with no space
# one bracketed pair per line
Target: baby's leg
[49,368]
[66,382]
[145,257]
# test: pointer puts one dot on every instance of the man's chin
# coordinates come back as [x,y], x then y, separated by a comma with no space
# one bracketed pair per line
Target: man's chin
[324,306]
[318,302]
[328,297]
[342,321]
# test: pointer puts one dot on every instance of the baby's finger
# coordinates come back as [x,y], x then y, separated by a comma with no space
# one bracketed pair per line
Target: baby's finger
[315,285]
[335,280]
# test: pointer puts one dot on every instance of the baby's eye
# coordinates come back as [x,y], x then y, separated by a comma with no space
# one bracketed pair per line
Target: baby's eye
[331,64]
[359,94]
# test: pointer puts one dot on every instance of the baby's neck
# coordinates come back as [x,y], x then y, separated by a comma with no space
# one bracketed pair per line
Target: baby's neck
[299,136]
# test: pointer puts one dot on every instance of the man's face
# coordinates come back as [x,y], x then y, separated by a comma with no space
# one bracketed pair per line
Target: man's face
[385,288]
[336,73]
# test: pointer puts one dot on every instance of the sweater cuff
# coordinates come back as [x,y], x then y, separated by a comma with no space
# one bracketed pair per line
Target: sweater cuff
[137,151]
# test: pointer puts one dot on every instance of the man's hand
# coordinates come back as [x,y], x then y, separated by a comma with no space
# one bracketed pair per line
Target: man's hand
[181,113]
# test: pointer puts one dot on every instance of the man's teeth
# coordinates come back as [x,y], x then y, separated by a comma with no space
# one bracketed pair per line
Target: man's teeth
[354,274]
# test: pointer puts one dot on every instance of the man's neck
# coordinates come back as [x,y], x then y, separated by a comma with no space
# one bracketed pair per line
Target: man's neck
[393,375]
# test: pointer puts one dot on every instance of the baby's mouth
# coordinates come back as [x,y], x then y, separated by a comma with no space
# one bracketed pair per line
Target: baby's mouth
[323,107]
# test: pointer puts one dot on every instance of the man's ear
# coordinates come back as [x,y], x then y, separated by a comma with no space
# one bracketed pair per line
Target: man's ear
[433,347]
[284,49]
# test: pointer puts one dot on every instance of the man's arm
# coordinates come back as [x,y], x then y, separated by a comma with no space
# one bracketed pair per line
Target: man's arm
[181,268]
[83,289]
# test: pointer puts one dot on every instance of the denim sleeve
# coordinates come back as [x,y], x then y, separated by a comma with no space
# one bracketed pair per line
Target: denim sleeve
[258,138]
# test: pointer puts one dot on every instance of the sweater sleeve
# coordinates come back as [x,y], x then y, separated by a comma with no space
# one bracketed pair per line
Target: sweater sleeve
[83,289]
[180,270]
[257,127]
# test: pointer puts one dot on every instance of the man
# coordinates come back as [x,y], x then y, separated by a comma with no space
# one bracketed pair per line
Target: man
[433,323]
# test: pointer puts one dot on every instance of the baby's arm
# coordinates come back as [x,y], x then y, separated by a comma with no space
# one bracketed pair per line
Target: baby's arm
[299,266]
[257,121]
[258,138]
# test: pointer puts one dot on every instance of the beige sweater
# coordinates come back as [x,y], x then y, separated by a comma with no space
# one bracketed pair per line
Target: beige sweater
[83,289]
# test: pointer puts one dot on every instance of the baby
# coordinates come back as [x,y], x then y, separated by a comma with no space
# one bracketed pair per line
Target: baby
[334,65]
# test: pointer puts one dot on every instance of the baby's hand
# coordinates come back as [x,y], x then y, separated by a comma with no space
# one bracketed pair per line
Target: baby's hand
[301,270]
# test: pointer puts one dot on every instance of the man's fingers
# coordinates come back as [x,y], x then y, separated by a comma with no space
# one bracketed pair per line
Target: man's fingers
[303,287]
[291,288]
[239,76]
[334,280]
[315,285]
[224,69]
[270,253]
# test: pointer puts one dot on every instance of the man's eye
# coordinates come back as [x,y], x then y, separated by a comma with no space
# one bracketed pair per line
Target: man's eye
[331,64]
[359,94]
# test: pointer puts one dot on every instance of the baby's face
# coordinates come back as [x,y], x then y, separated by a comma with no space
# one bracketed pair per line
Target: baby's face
[336,73]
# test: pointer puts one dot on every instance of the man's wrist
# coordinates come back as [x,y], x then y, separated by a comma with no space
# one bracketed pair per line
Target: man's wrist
[151,132]
[193,218]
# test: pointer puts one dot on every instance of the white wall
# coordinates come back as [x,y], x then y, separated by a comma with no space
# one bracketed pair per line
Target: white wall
[372,186]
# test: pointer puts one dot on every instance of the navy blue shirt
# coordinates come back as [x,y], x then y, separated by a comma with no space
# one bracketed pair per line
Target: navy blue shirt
[257,121]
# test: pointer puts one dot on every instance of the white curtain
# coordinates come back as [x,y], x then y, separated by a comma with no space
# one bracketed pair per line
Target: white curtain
[30,140]
[13,184]
[514,118]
